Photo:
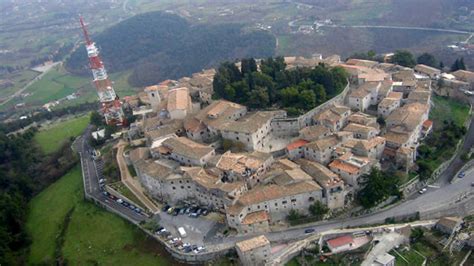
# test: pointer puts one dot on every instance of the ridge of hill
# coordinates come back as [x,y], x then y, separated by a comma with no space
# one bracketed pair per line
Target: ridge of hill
[159,45]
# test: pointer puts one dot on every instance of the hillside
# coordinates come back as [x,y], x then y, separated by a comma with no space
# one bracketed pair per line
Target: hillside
[159,46]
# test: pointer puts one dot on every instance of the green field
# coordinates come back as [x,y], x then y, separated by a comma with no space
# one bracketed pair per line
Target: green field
[448,109]
[19,80]
[93,237]
[52,137]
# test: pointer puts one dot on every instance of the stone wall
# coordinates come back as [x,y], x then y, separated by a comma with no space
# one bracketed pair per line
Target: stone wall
[292,126]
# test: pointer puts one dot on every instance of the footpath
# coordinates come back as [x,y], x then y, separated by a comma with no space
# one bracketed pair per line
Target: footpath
[131,183]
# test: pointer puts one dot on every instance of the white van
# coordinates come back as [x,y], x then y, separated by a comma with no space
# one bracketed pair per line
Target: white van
[182,232]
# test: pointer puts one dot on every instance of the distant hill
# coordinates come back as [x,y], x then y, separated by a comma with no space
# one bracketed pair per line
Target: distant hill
[160,46]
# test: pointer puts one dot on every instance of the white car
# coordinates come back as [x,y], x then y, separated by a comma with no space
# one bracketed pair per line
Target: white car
[421,191]
[120,201]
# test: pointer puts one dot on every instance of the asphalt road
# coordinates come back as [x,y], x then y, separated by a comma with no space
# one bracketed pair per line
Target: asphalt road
[91,179]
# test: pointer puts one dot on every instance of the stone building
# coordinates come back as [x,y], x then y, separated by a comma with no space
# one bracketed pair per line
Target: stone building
[254,251]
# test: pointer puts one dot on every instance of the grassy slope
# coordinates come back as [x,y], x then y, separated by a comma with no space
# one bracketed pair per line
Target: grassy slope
[448,109]
[47,212]
[51,138]
[93,235]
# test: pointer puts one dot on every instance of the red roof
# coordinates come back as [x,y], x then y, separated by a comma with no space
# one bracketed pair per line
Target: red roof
[296,144]
[340,241]
[427,124]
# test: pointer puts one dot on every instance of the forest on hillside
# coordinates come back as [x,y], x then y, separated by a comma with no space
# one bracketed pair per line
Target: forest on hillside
[158,46]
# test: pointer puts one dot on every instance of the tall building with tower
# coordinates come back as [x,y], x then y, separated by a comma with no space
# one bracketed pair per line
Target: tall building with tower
[111,107]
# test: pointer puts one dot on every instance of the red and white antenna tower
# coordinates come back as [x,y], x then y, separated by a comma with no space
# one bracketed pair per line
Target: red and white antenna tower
[111,105]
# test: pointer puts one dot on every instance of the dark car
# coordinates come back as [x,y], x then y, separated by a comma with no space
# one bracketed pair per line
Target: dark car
[176,211]
[309,230]
[131,207]
[126,204]
[187,249]
[165,208]
[105,193]
[137,210]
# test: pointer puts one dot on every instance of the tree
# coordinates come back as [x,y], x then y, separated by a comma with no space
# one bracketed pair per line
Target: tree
[307,99]
[318,210]
[248,66]
[376,186]
[96,119]
[458,65]
[294,215]
[259,98]
[381,121]
[404,58]
[427,59]
[416,234]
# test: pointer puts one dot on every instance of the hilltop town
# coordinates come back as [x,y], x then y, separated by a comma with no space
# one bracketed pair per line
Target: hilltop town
[261,169]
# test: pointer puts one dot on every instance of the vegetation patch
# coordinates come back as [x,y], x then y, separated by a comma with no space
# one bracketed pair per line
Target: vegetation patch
[51,138]
[448,122]
[296,90]
[93,235]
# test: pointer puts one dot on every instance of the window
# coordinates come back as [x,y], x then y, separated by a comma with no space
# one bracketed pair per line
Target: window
[293,200]
[174,188]
[276,204]
[311,199]
[284,202]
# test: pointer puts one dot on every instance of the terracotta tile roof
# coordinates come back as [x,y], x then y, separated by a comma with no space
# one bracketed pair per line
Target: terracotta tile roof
[321,174]
[178,99]
[427,69]
[399,138]
[271,192]
[252,243]
[408,116]
[387,102]
[312,133]
[357,128]
[464,75]
[332,114]
[193,125]
[343,166]
[395,95]
[427,124]
[219,112]
[187,148]
[450,222]
[255,217]
[249,123]
[362,119]
[296,144]
[139,153]
[360,62]
[323,144]
[340,241]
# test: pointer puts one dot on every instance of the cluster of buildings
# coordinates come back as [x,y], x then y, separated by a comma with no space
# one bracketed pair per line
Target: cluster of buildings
[182,156]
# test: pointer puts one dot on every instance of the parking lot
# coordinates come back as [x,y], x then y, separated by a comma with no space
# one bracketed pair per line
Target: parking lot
[198,230]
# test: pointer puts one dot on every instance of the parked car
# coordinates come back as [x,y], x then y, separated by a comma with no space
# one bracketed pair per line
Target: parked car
[205,212]
[187,249]
[126,204]
[166,207]
[188,210]
[105,193]
[199,211]
[120,201]
[461,174]
[182,211]
[193,215]
[101,181]
[170,210]
[176,212]
[309,230]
